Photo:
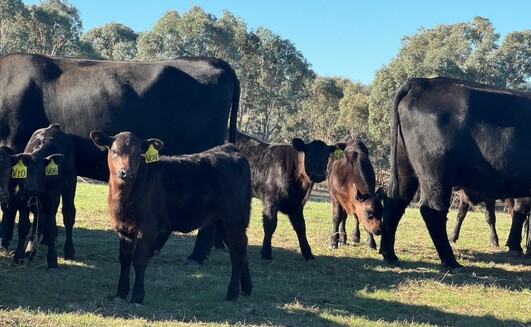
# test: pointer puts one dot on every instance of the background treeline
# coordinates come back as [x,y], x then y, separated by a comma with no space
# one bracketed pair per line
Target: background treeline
[281,96]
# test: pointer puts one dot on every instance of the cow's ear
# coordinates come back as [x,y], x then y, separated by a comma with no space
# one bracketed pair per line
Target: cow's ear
[101,139]
[358,195]
[57,158]
[26,158]
[298,144]
[380,194]
[157,144]
[7,149]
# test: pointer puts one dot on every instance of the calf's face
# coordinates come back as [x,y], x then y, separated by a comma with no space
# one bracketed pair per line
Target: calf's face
[125,153]
[369,210]
[37,172]
[316,154]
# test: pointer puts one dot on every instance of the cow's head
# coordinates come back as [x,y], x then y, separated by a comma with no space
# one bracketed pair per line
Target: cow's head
[316,155]
[6,162]
[369,210]
[35,173]
[125,153]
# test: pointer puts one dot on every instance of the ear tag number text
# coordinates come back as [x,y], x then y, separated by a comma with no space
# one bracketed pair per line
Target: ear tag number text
[51,169]
[19,170]
[151,154]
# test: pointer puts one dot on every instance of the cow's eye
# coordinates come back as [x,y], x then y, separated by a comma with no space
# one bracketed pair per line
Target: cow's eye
[113,153]
[370,214]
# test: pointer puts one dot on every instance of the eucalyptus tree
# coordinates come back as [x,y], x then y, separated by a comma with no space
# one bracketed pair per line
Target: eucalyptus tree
[54,28]
[13,32]
[112,41]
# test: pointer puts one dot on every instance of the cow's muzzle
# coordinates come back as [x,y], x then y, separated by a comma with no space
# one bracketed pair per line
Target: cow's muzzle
[127,175]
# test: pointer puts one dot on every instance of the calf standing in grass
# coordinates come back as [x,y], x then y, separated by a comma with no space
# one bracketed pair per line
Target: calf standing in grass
[351,185]
[180,193]
[45,173]
[283,177]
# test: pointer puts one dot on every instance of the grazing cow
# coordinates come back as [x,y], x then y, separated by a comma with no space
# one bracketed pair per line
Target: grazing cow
[520,215]
[448,133]
[185,102]
[467,199]
[352,189]
[180,193]
[47,174]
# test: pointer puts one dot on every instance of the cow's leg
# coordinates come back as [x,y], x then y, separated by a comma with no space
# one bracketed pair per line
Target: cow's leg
[297,221]
[235,237]
[461,214]
[141,255]
[528,236]
[203,244]
[161,240]
[9,212]
[24,226]
[434,207]
[515,235]
[48,225]
[219,245]
[490,217]
[126,256]
[370,242]
[338,221]
[269,219]
[356,237]
[69,218]
[400,193]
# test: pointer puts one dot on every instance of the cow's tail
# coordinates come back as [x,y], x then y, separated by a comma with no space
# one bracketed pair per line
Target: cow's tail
[233,120]
[396,134]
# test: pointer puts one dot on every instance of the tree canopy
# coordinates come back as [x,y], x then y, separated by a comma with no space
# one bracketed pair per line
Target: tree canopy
[281,95]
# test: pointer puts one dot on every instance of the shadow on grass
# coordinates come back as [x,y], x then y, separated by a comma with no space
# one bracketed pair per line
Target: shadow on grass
[287,290]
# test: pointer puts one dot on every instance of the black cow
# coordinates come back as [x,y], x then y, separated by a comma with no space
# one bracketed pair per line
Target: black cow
[48,175]
[467,199]
[352,189]
[185,102]
[448,133]
[179,193]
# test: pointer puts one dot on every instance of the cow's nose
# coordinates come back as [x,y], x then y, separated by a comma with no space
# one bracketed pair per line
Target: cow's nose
[127,175]
[377,231]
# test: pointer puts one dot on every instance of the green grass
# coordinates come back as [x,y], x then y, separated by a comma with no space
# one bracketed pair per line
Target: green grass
[350,286]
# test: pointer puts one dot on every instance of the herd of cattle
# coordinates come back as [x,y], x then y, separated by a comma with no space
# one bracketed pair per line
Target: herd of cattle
[156,132]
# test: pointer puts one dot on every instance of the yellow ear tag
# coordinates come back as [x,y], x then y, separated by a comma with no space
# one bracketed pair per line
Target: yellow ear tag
[151,154]
[51,169]
[19,170]
[338,154]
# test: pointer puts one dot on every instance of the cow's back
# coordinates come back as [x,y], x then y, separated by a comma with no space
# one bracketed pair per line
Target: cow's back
[481,133]
[185,102]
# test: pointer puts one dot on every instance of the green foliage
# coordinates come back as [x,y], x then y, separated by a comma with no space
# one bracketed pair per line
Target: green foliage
[13,35]
[112,41]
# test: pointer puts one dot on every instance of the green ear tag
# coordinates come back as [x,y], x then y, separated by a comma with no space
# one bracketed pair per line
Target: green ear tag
[338,154]
[19,170]
[51,169]
[151,154]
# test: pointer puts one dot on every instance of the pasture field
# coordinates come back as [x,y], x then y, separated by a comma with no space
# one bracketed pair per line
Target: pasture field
[350,286]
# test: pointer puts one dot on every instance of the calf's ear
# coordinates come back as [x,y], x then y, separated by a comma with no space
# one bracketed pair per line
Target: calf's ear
[298,144]
[57,158]
[380,194]
[7,149]
[101,139]
[157,144]
[26,158]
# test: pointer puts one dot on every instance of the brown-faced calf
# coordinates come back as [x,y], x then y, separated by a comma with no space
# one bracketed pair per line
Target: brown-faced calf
[352,189]
[180,193]
[45,174]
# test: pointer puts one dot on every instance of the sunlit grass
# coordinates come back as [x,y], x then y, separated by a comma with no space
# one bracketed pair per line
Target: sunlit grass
[350,286]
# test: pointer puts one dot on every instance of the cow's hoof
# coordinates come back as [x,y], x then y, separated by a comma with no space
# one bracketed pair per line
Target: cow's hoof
[333,246]
[516,254]
[136,305]
[392,261]
[118,300]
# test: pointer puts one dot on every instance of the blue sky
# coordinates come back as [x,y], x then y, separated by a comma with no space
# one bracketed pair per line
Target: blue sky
[347,38]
